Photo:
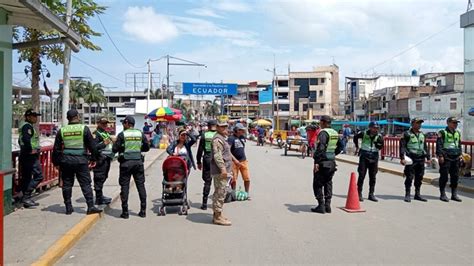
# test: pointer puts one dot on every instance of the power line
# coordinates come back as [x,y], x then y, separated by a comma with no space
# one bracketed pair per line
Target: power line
[98,69]
[411,47]
[116,48]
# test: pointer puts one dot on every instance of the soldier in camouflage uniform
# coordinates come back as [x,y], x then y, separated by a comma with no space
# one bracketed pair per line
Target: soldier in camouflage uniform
[221,169]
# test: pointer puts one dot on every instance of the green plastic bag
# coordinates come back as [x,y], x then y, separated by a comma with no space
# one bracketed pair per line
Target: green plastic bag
[241,195]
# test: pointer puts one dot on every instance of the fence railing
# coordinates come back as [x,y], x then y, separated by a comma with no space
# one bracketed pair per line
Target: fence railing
[50,174]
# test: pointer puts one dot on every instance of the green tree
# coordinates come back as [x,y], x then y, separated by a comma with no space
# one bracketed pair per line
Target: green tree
[94,94]
[211,109]
[82,11]
[187,112]
[156,94]
[77,90]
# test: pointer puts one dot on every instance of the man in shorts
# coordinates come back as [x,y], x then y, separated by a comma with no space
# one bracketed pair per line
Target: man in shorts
[237,148]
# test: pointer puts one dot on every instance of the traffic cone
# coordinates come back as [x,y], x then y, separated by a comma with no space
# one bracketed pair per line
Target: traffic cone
[352,202]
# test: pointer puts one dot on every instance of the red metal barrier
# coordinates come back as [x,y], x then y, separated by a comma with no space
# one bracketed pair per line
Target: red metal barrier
[391,147]
[50,174]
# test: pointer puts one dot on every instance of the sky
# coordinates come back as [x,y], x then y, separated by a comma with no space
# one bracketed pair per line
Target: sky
[242,39]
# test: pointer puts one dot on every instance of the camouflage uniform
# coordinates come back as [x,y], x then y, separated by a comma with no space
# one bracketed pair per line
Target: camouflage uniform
[221,159]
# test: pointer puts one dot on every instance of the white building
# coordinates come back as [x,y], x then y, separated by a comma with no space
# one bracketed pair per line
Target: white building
[436,108]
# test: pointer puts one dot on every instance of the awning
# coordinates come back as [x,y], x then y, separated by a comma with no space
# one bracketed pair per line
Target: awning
[33,14]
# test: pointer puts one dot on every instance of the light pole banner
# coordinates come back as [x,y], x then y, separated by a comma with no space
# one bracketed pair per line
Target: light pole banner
[210,88]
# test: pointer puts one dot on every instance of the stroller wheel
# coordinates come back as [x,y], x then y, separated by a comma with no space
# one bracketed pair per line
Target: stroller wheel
[162,211]
[183,210]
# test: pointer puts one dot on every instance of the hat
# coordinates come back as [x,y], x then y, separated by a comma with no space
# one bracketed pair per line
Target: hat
[103,120]
[128,119]
[72,113]
[374,124]
[30,112]
[239,126]
[325,118]
[211,123]
[417,120]
[452,119]
[222,123]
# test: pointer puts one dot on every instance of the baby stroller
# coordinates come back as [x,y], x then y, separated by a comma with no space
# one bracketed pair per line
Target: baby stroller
[175,184]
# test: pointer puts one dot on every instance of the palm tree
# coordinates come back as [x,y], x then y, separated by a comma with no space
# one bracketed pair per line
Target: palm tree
[188,113]
[94,94]
[157,93]
[76,92]
[212,108]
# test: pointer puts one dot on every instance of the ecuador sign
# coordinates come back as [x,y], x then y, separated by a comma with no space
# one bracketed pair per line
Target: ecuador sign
[210,88]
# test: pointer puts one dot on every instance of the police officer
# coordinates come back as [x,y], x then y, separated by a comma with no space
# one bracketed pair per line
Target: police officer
[413,145]
[327,147]
[101,170]
[372,142]
[448,150]
[221,169]
[130,144]
[71,150]
[29,158]
[205,146]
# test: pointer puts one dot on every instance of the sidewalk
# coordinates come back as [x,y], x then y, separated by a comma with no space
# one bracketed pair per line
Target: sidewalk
[29,233]
[466,184]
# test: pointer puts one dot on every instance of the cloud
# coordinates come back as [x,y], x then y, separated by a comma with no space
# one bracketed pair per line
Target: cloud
[203,12]
[232,6]
[145,24]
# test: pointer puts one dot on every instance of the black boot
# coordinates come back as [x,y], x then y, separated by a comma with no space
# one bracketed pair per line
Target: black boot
[124,214]
[371,195]
[320,208]
[93,209]
[204,203]
[327,205]
[361,198]
[102,200]
[407,195]
[418,195]
[69,208]
[443,196]
[142,212]
[454,195]
[28,202]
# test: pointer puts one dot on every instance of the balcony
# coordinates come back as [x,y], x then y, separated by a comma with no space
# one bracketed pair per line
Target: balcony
[282,89]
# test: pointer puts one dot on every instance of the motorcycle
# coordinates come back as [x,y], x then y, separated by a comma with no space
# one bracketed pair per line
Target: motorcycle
[279,141]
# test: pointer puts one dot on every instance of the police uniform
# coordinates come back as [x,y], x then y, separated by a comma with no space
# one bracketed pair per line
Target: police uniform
[29,160]
[327,147]
[102,168]
[221,160]
[413,145]
[130,144]
[71,150]
[448,146]
[204,154]
[368,160]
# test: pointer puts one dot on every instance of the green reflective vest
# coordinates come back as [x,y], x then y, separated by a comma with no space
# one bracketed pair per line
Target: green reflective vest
[451,142]
[35,144]
[332,143]
[133,144]
[208,140]
[416,144]
[73,139]
[107,151]
[368,144]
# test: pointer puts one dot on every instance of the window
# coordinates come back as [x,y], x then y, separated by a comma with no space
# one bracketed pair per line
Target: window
[453,104]
[419,105]
[305,107]
[296,100]
[321,93]
[384,102]
[284,107]
[321,106]
[323,80]
[304,87]
[312,96]
[438,83]
[438,100]
[393,97]
[283,83]
[114,99]
[313,81]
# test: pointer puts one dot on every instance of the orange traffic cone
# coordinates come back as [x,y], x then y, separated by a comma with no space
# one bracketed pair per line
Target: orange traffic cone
[352,202]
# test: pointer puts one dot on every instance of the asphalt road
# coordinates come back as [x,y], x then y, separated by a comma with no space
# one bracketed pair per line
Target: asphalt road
[277,226]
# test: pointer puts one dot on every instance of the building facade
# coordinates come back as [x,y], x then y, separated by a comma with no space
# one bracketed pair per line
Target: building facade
[445,82]
[467,23]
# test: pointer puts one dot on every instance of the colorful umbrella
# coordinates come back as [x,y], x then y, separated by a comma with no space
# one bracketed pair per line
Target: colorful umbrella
[262,123]
[161,113]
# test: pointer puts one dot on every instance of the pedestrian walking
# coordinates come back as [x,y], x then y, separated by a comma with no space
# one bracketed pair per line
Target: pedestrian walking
[203,158]
[449,152]
[130,144]
[413,145]
[75,153]
[346,133]
[372,142]
[221,167]
[29,158]
[102,167]
[237,148]
[327,147]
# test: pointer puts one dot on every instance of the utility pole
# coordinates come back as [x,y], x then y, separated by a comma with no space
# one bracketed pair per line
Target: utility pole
[170,98]
[67,62]
[149,86]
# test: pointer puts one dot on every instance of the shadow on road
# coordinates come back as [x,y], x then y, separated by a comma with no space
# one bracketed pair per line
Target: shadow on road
[299,208]
[200,218]
[58,208]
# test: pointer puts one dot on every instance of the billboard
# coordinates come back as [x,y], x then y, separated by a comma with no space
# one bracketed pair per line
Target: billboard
[210,88]
[265,96]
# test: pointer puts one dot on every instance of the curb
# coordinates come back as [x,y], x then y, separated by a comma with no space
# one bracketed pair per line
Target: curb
[70,238]
[429,180]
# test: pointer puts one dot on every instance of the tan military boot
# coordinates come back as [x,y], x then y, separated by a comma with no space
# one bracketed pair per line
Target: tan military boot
[218,219]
